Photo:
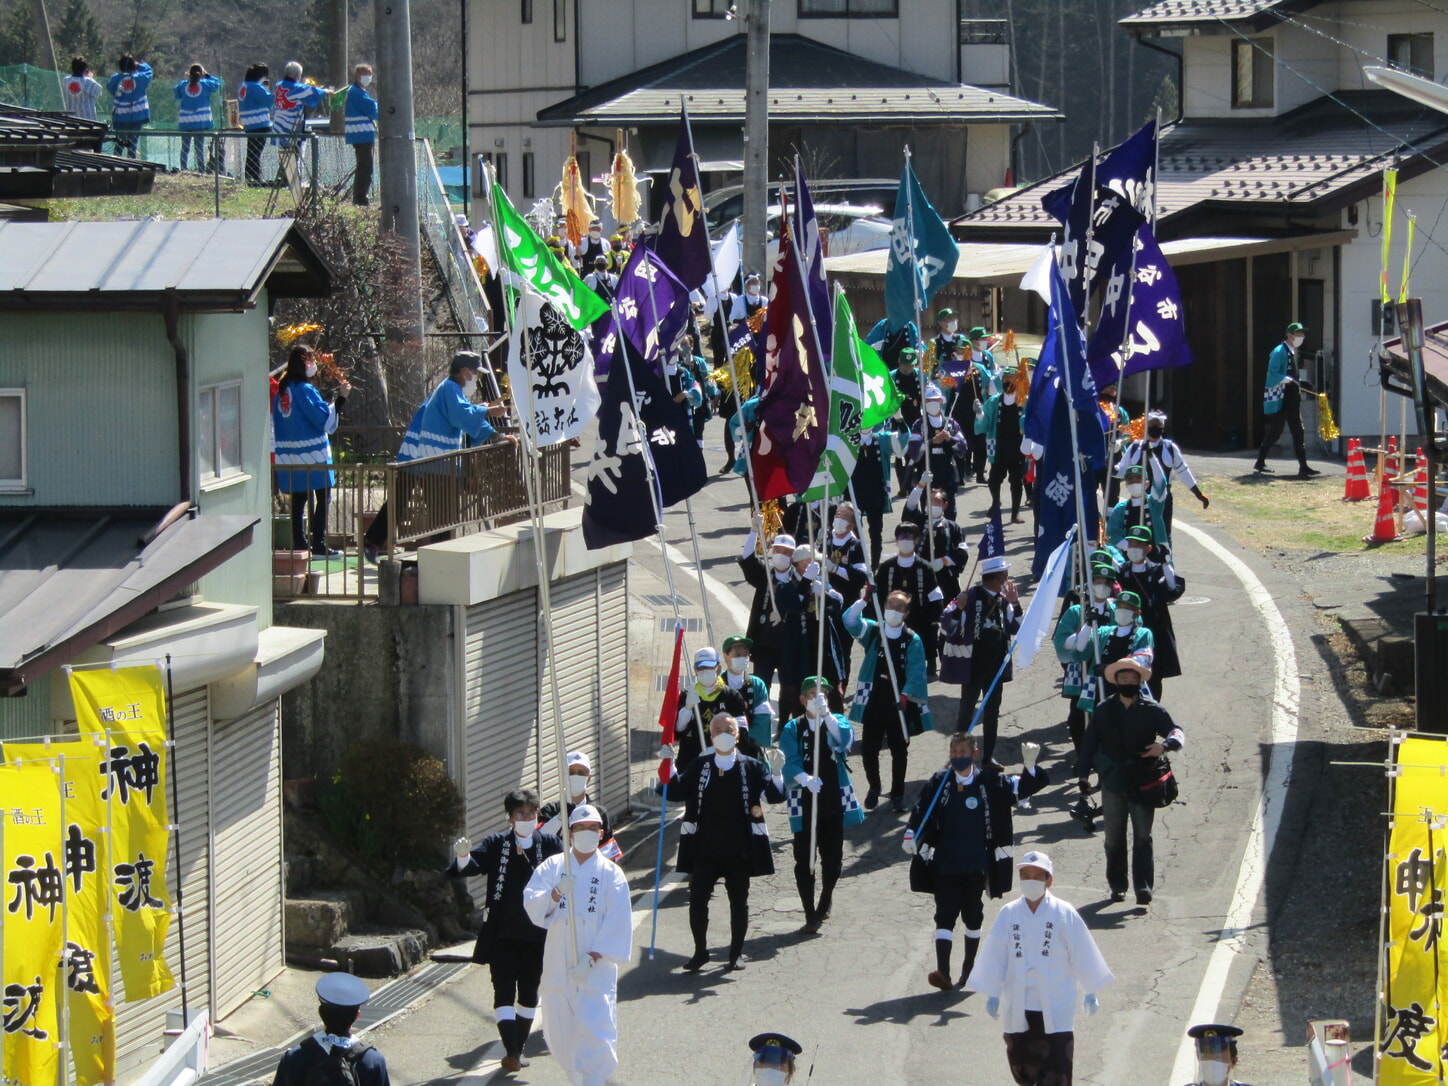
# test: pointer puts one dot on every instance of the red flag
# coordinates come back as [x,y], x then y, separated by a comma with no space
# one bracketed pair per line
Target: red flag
[669,710]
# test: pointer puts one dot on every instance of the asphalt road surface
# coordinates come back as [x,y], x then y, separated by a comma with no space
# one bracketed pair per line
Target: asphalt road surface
[855,994]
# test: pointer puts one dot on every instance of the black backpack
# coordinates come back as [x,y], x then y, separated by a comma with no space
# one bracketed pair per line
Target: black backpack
[335,1068]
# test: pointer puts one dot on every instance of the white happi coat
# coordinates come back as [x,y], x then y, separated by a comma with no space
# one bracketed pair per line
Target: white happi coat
[580,1022]
[1035,960]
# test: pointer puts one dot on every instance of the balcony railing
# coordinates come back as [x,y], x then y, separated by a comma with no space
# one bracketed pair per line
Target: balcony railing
[427,500]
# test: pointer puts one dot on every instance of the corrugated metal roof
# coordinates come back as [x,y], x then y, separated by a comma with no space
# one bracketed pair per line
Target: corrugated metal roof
[808,81]
[69,580]
[225,261]
[1292,162]
[1435,361]
[1167,12]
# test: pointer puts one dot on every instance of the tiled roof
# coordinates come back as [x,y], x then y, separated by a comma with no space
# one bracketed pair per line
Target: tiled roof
[807,80]
[1187,12]
[1301,160]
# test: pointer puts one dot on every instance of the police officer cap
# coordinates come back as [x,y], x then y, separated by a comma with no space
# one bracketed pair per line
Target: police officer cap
[774,1040]
[343,990]
[1213,1030]
[1139,533]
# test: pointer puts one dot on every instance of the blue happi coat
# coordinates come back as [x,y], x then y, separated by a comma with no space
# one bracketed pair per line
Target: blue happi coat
[194,100]
[301,420]
[792,742]
[1279,368]
[255,103]
[360,115]
[439,424]
[913,683]
[290,102]
[129,91]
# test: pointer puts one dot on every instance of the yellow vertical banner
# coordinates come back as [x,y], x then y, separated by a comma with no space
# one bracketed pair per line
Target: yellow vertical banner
[1390,197]
[128,706]
[92,1034]
[1408,258]
[30,838]
[1415,995]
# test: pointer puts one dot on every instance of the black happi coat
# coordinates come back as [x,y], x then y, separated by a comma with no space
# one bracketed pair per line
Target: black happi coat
[995,791]
[507,873]
[756,786]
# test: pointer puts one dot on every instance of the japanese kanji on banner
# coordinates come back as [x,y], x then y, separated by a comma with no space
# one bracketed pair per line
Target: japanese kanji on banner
[30,838]
[128,705]
[82,844]
[1415,993]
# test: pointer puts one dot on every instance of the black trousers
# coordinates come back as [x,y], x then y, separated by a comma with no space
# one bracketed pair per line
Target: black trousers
[1291,417]
[517,967]
[981,673]
[830,844]
[321,499]
[960,897]
[977,455]
[362,183]
[764,662]
[706,873]
[255,145]
[1015,470]
[882,727]
[1117,810]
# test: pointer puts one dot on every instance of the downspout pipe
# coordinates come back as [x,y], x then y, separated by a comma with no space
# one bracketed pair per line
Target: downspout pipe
[171,312]
[1181,90]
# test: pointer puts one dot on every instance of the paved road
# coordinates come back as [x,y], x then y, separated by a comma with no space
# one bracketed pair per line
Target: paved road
[856,993]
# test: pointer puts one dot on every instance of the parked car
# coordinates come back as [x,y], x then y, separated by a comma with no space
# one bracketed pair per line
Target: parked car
[844,229]
[723,205]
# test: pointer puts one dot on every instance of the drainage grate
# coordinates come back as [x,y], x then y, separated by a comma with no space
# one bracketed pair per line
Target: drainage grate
[659,600]
[691,625]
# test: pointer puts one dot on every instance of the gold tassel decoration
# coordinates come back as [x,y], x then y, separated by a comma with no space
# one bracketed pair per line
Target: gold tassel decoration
[293,332]
[1008,344]
[773,511]
[1021,382]
[724,376]
[1326,424]
[927,365]
[1137,428]
[756,322]
[577,204]
[623,190]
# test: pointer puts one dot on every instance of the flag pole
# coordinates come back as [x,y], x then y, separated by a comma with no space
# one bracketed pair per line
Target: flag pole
[664,794]
[533,485]
[914,257]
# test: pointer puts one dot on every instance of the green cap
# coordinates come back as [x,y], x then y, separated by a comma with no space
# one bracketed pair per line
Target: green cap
[1105,572]
[978,332]
[1102,556]
[737,639]
[1295,329]
[909,353]
[815,681]
[1129,599]
[1139,533]
[1135,470]
[944,314]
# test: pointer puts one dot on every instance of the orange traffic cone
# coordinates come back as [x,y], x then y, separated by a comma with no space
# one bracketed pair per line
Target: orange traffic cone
[1420,491]
[1357,473]
[1386,528]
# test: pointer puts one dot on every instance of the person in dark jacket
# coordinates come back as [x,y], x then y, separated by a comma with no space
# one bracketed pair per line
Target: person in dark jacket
[976,630]
[1158,585]
[340,998]
[509,942]
[944,547]
[1125,744]
[723,834]
[960,837]
[778,595]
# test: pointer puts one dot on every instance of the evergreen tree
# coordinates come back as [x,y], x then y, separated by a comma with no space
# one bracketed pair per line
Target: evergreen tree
[79,34]
[17,37]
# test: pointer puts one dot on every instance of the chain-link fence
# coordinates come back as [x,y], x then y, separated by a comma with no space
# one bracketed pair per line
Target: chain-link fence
[449,250]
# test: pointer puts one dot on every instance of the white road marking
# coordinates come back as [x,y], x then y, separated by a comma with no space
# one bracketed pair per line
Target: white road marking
[1267,819]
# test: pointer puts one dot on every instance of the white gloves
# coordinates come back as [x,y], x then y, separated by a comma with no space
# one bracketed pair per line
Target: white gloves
[565,884]
[774,758]
[1029,753]
[993,1006]
[462,848]
[927,853]
[938,564]
[831,565]
[909,843]
[1082,639]
[1090,1004]
[667,751]
[691,697]
[812,571]
[813,784]
[684,719]
[552,826]
[583,970]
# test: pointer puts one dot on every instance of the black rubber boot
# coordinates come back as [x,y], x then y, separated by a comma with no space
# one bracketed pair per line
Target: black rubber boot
[940,978]
[971,947]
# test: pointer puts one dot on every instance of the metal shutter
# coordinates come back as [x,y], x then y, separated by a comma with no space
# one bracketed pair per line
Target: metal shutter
[501,708]
[246,826]
[139,1026]
[575,648]
[611,769]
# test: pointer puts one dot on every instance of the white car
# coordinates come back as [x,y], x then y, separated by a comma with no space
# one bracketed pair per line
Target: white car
[844,229]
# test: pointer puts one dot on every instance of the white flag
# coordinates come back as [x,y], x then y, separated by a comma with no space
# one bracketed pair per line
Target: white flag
[1038,276]
[1036,622]
[550,369]
[726,267]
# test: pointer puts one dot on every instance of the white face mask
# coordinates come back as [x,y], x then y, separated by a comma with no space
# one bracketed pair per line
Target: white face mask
[671,368]
[1101,591]
[470,384]
[1296,341]
[707,676]
[979,345]
[1125,616]
[595,234]
[1136,554]
[770,1076]
[937,512]
[311,369]
[585,841]
[1033,889]
[1213,1073]
[577,785]
[724,743]
[781,562]
[906,547]
[738,664]
[950,327]
[752,295]
[811,707]
[1008,397]
[841,526]
[524,827]
[366,80]
[933,408]
[1134,489]
[894,619]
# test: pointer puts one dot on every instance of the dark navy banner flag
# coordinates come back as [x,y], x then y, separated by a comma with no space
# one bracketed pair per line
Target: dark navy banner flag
[683,239]
[1144,294]
[812,261]
[1059,479]
[993,539]
[619,506]
[1071,204]
[1130,170]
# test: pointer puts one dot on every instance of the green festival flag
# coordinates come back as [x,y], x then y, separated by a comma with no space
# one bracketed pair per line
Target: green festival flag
[526,256]
[861,393]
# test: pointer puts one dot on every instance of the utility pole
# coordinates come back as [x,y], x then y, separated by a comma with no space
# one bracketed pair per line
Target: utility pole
[339,75]
[44,41]
[756,134]
[397,165]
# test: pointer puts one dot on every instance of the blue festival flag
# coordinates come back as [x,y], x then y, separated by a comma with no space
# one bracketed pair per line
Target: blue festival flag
[683,239]
[1145,293]
[993,539]
[812,261]
[1130,170]
[651,307]
[638,436]
[1071,204]
[1060,473]
[913,277]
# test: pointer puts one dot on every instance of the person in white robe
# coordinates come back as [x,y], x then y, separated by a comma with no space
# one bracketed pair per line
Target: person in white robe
[1036,954]
[579,989]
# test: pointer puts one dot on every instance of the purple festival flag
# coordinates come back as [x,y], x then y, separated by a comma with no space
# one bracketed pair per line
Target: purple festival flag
[683,239]
[1145,293]
[652,307]
[812,258]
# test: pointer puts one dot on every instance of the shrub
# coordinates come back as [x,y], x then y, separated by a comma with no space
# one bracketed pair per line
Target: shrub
[394,802]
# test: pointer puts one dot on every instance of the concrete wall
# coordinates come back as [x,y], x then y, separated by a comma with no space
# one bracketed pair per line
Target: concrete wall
[389,672]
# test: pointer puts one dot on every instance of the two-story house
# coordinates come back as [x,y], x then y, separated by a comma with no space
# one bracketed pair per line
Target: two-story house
[135,512]
[851,83]
[1269,191]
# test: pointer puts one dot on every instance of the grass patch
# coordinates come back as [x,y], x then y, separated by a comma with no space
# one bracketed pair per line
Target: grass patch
[189,196]
[1282,513]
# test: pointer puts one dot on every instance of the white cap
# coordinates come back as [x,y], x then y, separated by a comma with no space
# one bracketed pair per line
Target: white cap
[586,812]
[932,392]
[577,757]
[783,541]
[804,553]
[706,657]
[997,564]
[1030,859]
[460,219]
